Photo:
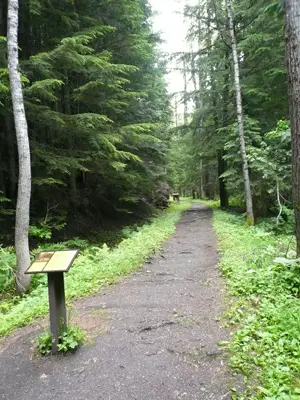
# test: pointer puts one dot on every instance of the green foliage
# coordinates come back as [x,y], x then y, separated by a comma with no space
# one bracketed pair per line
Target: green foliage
[69,340]
[181,162]
[44,343]
[3,199]
[97,109]
[205,149]
[76,243]
[264,280]
[5,207]
[280,225]
[40,232]
[269,159]
[7,269]
[44,90]
[96,267]
[46,226]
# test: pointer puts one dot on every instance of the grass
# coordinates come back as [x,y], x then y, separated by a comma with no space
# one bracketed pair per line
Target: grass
[94,268]
[265,312]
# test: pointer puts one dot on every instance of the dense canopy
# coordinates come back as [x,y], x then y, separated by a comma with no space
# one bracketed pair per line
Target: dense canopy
[211,162]
[96,106]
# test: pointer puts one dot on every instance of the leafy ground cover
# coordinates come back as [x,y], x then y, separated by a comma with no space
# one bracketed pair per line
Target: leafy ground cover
[69,340]
[264,279]
[94,268]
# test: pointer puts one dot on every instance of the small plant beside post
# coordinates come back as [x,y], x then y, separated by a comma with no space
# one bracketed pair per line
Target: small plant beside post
[55,264]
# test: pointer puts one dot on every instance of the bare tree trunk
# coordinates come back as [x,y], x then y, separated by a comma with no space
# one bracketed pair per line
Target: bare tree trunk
[224,200]
[222,164]
[185,113]
[194,80]
[24,182]
[201,194]
[12,170]
[292,19]
[176,111]
[240,116]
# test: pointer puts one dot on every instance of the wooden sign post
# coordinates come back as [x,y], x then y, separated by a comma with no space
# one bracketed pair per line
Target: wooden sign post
[55,263]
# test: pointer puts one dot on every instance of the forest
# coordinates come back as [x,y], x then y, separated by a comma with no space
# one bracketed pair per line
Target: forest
[104,149]
[109,145]
[97,113]
[209,135]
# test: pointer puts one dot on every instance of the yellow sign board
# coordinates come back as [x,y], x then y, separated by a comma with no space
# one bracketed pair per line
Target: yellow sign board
[52,261]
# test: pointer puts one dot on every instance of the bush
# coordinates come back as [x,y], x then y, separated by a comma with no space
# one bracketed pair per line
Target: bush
[7,269]
[266,311]
[69,340]
[44,343]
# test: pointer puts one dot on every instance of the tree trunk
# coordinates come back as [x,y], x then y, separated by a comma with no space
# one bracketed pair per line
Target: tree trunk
[185,112]
[194,80]
[222,165]
[240,116]
[176,112]
[12,174]
[201,195]
[292,19]
[206,181]
[24,182]
[222,184]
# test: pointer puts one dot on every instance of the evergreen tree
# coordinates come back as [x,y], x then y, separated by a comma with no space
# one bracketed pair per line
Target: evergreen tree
[97,110]
[214,163]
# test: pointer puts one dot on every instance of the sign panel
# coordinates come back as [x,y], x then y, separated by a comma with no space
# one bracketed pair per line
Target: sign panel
[52,261]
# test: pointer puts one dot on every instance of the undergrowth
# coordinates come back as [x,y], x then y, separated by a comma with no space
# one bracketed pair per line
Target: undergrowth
[69,340]
[93,269]
[265,283]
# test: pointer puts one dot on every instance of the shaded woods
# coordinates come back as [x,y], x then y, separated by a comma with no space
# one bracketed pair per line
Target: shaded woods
[236,86]
[97,111]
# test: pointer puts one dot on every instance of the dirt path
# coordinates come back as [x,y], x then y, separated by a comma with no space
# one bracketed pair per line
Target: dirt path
[155,333]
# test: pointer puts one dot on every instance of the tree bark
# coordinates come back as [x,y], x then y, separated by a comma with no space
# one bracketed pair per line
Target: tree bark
[194,80]
[12,170]
[240,116]
[185,112]
[201,188]
[24,182]
[222,165]
[292,20]
[222,184]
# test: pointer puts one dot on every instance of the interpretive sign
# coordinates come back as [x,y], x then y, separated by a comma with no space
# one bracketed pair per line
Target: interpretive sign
[54,264]
[52,261]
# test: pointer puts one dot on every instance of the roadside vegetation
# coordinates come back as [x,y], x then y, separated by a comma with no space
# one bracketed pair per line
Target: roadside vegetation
[94,268]
[69,340]
[263,276]
[98,115]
